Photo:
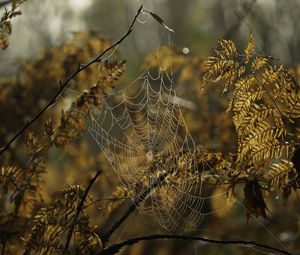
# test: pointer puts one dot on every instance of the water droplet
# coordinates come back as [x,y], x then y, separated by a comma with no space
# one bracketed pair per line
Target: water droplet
[186,50]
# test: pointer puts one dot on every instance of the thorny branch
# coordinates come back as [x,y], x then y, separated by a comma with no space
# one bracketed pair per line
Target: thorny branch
[63,85]
[115,248]
[79,209]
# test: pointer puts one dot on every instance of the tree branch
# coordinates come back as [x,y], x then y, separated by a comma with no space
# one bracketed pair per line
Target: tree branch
[64,85]
[79,209]
[115,248]
[134,204]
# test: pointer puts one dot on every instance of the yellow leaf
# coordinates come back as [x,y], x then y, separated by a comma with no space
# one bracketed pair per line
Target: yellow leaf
[249,51]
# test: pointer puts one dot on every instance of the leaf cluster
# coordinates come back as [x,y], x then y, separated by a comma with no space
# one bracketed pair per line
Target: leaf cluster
[23,183]
[264,103]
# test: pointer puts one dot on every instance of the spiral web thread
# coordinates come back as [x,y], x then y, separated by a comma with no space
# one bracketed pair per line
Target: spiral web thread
[142,132]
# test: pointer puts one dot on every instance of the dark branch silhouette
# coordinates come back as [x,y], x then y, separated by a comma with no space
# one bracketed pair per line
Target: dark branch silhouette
[134,204]
[79,209]
[115,248]
[63,85]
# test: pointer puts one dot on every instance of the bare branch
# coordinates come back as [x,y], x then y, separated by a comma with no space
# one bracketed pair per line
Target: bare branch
[63,85]
[115,248]
[79,209]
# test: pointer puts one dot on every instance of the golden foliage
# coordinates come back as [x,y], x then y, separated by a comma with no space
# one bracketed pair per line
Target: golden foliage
[52,223]
[224,64]
[264,101]
[23,182]
[249,50]
[39,80]
[88,241]
[264,107]
[24,186]
[72,122]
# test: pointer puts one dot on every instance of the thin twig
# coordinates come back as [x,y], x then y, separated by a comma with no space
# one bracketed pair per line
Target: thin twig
[115,248]
[79,209]
[64,85]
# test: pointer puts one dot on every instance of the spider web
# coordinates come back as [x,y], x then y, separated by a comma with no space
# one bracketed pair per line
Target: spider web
[142,132]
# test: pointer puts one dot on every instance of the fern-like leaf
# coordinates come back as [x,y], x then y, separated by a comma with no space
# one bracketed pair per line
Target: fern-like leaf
[249,50]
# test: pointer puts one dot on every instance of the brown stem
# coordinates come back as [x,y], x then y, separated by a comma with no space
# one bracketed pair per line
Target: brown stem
[64,85]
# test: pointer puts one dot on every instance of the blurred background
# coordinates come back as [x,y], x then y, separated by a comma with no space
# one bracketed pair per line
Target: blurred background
[48,24]
[197,24]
